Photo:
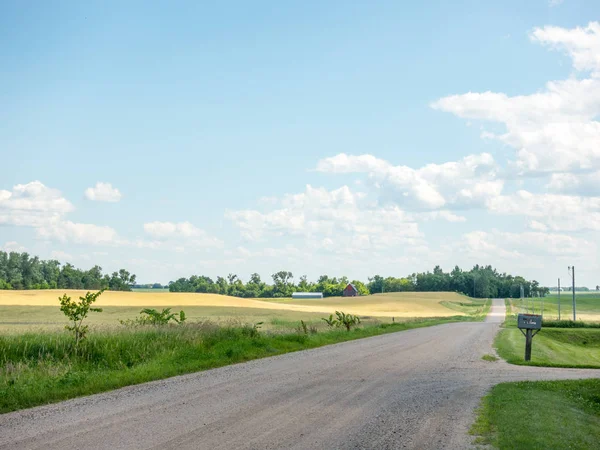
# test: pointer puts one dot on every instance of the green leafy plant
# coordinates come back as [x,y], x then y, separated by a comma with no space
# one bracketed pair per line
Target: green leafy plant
[331,321]
[303,327]
[347,320]
[252,330]
[77,311]
[150,316]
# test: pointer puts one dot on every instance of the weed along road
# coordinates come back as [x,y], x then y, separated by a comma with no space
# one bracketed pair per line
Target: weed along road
[412,389]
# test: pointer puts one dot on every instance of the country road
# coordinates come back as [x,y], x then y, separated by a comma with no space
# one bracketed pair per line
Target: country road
[412,389]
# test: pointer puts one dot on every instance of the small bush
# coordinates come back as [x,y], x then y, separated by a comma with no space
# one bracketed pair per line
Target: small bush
[347,320]
[151,316]
[76,312]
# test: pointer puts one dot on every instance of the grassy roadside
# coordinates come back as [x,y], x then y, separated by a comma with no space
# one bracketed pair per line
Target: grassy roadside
[540,415]
[552,346]
[40,368]
[543,414]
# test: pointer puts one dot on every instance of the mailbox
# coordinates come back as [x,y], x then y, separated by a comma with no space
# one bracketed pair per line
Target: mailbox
[529,322]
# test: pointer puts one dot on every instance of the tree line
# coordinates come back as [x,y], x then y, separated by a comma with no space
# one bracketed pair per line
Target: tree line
[479,282]
[21,271]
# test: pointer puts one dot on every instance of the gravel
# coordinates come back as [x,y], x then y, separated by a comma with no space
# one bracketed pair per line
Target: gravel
[412,389]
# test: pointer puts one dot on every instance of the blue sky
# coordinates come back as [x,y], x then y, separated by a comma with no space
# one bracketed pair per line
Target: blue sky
[316,137]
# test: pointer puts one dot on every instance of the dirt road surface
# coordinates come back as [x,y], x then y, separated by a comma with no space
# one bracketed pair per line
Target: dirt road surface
[412,389]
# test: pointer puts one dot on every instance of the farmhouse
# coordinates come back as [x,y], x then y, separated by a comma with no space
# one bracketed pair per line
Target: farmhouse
[350,291]
[307,295]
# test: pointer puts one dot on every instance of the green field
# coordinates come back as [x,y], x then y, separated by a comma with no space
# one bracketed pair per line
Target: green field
[556,347]
[541,415]
[587,306]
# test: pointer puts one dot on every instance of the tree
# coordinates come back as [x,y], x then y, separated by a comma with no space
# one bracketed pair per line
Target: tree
[282,286]
[76,312]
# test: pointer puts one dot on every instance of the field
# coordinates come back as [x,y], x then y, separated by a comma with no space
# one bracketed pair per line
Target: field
[35,310]
[39,362]
[588,306]
[559,347]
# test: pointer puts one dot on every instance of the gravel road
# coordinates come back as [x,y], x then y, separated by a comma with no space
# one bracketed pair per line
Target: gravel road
[412,389]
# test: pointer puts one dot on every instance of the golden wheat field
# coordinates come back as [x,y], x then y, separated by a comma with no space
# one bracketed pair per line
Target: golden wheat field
[31,309]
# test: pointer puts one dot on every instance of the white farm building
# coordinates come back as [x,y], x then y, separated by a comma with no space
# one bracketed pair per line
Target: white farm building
[307,295]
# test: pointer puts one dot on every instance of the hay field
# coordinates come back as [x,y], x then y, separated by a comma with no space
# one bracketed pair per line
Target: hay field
[393,304]
[33,310]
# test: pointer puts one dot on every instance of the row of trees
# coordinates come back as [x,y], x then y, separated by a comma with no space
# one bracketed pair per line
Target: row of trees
[480,282]
[283,285]
[21,271]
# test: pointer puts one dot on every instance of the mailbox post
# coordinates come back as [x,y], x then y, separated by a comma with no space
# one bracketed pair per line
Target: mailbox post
[529,323]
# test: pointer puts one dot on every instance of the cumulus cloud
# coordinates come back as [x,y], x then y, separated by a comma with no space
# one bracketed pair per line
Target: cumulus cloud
[12,246]
[584,184]
[61,256]
[459,184]
[554,130]
[32,204]
[582,44]
[79,233]
[528,246]
[181,231]
[103,192]
[550,211]
[339,220]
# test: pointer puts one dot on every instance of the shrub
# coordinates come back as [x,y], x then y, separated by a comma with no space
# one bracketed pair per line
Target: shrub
[347,320]
[331,321]
[151,316]
[76,312]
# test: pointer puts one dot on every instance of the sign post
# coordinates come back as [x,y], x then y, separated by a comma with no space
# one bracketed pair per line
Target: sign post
[529,323]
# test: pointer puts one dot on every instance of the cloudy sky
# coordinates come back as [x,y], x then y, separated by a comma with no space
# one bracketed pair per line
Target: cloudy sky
[317,137]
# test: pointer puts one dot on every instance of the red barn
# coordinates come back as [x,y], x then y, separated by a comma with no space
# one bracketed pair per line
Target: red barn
[350,291]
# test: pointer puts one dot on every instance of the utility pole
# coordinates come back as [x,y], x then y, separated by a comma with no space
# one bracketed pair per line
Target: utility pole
[559,299]
[574,307]
[522,295]
[572,273]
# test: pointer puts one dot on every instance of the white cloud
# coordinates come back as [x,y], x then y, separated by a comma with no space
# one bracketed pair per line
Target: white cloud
[553,3]
[582,44]
[340,220]
[181,231]
[550,211]
[32,204]
[80,233]
[61,256]
[585,184]
[103,192]
[525,248]
[461,184]
[554,130]
[12,246]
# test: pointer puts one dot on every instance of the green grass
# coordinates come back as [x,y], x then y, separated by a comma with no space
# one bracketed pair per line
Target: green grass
[553,347]
[541,415]
[588,306]
[489,358]
[43,367]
